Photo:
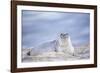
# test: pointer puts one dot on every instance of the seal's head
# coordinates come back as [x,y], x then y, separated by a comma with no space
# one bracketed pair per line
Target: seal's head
[64,35]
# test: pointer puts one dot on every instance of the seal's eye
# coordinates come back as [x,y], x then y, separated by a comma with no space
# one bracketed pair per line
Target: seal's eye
[66,35]
[61,35]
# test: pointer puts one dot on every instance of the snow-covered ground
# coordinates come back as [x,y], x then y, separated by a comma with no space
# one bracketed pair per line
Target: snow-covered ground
[82,52]
[56,50]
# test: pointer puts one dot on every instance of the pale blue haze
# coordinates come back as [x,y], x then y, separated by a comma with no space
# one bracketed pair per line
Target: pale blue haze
[39,27]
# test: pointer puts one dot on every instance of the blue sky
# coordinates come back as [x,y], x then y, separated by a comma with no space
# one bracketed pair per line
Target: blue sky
[41,26]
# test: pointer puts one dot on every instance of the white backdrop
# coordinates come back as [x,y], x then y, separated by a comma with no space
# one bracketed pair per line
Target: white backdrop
[5,37]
